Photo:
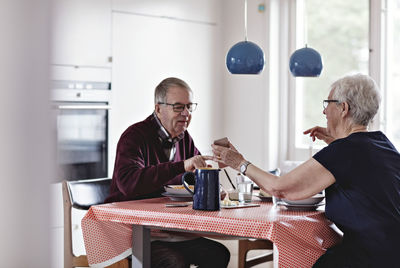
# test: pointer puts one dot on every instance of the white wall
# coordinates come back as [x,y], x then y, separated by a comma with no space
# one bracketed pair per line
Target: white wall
[153,40]
[190,39]
[195,10]
[25,136]
[249,104]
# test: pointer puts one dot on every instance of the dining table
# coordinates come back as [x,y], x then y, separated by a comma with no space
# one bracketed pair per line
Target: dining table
[114,231]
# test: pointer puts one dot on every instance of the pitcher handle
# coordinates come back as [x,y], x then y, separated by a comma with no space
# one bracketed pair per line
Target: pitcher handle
[188,175]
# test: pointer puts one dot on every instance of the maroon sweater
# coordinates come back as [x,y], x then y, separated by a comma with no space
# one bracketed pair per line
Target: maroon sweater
[141,167]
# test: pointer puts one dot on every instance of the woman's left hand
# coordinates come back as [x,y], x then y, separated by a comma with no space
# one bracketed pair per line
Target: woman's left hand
[228,156]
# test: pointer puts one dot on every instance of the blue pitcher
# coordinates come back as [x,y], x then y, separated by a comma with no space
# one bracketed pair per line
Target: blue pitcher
[206,195]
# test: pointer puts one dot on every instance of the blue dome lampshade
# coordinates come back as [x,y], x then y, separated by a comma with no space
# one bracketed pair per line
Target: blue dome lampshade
[245,58]
[305,62]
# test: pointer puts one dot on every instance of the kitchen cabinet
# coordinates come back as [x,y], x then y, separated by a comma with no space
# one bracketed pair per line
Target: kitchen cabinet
[191,10]
[81,34]
[57,228]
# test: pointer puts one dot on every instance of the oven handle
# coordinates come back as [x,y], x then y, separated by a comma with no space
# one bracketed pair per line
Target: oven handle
[84,107]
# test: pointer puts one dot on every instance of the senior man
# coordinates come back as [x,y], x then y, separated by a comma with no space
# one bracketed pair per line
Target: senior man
[156,152]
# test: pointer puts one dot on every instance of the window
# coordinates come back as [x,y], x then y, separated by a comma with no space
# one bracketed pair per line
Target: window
[390,119]
[339,31]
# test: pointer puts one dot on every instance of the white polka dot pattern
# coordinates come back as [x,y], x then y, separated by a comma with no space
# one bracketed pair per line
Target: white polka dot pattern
[301,237]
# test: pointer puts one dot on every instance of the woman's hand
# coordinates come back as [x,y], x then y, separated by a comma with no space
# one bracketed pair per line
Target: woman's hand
[227,156]
[320,133]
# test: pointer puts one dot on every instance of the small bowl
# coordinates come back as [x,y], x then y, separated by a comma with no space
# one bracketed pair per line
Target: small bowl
[313,200]
[233,195]
[178,189]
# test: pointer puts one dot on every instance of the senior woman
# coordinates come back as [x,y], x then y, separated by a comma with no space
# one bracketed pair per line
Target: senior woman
[359,170]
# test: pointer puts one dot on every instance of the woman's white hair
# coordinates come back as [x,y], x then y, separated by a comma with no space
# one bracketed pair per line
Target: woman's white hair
[361,93]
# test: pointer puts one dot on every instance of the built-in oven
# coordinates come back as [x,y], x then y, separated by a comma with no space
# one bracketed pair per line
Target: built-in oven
[82,116]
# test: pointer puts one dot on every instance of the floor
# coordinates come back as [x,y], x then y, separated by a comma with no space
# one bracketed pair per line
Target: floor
[232,245]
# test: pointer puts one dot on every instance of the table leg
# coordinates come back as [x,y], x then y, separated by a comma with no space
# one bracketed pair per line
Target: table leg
[276,257]
[140,247]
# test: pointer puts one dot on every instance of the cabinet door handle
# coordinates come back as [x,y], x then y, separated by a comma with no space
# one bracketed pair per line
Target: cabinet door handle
[84,107]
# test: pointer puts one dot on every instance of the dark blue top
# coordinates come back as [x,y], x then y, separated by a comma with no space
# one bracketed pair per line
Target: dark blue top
[364,202]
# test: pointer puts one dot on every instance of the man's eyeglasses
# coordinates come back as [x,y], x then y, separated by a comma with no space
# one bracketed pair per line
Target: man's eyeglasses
[179,107]
[325,103]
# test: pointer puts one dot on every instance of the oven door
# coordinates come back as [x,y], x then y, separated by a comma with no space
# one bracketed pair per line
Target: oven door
[82,140]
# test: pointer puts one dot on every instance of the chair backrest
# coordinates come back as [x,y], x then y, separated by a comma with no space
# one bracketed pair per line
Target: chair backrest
[257,244]
[86,193]
[81,195]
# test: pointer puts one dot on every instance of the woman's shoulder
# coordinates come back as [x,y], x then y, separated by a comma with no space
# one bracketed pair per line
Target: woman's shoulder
[370,138]
[364,143]
[345,146]
[361,137]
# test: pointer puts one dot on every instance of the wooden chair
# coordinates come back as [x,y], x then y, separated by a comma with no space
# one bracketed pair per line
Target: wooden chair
[81,195]
[250,244]
[246,245]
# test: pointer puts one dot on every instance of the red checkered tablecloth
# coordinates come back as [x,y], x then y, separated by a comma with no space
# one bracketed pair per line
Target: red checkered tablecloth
[300,237]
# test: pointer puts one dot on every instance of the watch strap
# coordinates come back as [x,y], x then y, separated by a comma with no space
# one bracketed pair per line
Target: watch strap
[243,167]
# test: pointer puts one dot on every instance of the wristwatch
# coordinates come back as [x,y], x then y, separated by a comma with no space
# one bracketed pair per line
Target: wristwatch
[243,167]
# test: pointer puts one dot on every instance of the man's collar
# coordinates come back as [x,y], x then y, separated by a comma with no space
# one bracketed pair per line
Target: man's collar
[163,133]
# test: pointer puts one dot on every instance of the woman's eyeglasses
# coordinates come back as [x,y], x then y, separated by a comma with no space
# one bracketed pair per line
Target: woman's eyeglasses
[179,107]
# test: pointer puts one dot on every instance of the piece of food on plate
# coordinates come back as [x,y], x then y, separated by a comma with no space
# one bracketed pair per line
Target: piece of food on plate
[191,187]
[233,195]
[228,202]
[178,189]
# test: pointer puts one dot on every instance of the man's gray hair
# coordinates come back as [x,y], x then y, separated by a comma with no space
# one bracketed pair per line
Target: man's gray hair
[361,93]
[160,94]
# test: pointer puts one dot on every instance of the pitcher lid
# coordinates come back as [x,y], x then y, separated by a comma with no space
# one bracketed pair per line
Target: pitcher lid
[208,168]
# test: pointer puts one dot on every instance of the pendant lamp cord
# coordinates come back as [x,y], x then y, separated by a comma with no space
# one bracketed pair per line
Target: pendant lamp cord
[305,21]
[245,20]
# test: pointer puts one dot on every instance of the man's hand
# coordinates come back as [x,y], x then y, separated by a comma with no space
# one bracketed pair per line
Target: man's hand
[198,161]
[320,133]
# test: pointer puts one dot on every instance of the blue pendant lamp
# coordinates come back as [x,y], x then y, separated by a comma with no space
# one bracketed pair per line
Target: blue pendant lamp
[305,62]
[245,57]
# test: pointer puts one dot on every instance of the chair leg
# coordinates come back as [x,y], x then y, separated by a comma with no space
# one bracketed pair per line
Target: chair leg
[267,257]
[246,245]
[79,261]
[121,264]
[242,256]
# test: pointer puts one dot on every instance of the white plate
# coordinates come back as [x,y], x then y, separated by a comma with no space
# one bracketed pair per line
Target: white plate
[241,206]
[179,197]
[308,201]
[177,189]
[301,207]
[264,198]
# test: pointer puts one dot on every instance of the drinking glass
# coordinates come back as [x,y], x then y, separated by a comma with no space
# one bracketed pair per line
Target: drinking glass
[245,191]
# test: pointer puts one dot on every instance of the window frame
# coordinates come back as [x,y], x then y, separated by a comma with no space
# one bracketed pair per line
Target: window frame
[377,23]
